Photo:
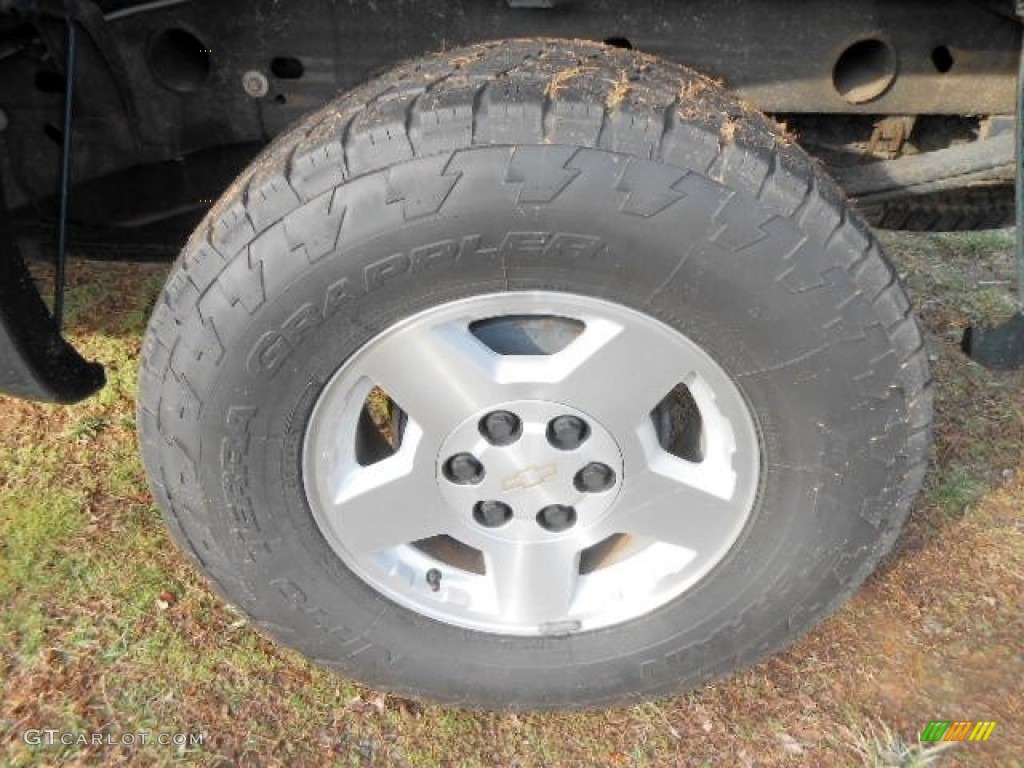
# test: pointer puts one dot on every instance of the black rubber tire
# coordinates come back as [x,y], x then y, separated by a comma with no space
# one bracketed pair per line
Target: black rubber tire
[960,210]
[704,218]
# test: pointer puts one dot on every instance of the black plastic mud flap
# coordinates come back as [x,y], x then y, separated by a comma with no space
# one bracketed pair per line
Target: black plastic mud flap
[1002,347]
[36,363]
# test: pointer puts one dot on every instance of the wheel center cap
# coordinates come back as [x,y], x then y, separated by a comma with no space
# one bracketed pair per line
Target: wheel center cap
[529,470]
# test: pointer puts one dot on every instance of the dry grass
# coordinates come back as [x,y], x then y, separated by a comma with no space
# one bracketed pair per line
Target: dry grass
[727,133]
[561,80]
[105,626]
[619,91]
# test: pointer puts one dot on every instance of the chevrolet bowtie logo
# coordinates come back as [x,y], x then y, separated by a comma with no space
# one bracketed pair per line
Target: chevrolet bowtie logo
[530,477]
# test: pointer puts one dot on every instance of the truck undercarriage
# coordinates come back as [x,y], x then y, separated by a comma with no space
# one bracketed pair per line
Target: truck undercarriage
[174,98]
[559,338]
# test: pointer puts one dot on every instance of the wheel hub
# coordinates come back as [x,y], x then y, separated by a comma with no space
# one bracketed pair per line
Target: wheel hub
[553,469]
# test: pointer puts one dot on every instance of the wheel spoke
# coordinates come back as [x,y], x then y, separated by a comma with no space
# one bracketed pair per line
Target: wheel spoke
[438,374]
[619,374]
[533,582]
[681,503]
[389,503]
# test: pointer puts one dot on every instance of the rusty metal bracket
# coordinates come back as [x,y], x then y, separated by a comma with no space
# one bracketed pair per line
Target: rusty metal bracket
[889,136]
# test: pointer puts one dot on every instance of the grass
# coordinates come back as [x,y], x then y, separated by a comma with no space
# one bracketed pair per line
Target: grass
[105,627]
[879,747]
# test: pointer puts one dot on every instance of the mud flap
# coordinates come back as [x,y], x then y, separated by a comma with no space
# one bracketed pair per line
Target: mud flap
[1003,345]
[36,363]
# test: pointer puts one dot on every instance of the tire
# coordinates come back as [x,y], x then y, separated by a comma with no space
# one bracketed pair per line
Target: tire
[961,210]
[600,194]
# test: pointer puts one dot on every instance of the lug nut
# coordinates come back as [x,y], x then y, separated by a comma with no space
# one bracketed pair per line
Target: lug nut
[567,433]
[501,428]
[464,469]
[556,518]
[492,514]
[594,478]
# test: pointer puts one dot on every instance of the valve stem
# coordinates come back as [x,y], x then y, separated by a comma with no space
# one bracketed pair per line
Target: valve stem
[434,579]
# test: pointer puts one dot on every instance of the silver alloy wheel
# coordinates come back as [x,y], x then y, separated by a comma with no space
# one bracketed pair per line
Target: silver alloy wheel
[531,491]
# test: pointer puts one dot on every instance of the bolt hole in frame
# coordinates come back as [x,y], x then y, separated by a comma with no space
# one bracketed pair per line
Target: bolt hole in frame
[179,60]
